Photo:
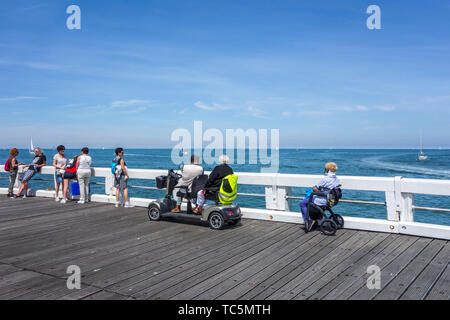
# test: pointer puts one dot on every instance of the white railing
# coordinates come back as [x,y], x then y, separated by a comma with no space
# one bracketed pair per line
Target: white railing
[399,198]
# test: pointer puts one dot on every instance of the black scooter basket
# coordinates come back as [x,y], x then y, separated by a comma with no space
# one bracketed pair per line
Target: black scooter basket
[161,182]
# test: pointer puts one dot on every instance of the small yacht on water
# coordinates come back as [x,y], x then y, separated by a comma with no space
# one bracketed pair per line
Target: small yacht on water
[421,155]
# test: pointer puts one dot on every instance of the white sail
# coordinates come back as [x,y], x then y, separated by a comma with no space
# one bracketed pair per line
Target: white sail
[31,150]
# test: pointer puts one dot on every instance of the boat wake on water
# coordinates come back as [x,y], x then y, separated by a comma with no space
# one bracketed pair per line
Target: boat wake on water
[376,162]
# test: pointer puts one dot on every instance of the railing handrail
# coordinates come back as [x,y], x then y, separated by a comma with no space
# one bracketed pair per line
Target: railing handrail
[363,183]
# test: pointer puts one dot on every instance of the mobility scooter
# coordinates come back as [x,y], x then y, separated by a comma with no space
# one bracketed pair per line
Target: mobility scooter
[218,214]
[328,224]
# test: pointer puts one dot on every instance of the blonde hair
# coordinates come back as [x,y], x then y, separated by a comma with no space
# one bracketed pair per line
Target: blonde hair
[331,166]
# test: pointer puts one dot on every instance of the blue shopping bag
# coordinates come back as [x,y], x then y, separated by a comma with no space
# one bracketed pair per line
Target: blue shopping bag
[75,189]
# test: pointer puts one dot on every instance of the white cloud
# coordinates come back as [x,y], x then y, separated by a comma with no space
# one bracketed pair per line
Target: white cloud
[129,103]
[385,108]
[19,98]
[351,108]
[214,106]
[182,111]
[256,112]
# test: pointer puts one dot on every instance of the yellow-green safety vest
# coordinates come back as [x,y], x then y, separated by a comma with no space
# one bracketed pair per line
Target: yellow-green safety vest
[228,189]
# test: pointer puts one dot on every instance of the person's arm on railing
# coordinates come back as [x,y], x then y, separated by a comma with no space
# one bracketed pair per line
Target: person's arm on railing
[41,165]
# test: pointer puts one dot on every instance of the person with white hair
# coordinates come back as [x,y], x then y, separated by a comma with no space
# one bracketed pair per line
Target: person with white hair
[35,167]
[214,181]
[328,182]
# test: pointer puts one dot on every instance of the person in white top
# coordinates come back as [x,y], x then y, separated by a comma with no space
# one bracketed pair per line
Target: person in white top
[188,174]
[60,163]
[84,174]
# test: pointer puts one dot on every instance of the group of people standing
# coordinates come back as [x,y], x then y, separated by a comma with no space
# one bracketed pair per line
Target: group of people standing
[76,168]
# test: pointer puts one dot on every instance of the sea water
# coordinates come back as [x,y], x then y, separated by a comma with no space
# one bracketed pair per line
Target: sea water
[373,163]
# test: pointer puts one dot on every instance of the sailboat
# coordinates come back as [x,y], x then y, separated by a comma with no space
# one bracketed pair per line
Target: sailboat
[421,155]
[31,147]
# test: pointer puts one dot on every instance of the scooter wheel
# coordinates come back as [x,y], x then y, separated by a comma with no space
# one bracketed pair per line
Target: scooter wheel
[339,220]
[307,225]
[216,221]
[328,227]
[154,213]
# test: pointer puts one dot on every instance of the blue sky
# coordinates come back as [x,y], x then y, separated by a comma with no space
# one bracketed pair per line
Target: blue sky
[137,70]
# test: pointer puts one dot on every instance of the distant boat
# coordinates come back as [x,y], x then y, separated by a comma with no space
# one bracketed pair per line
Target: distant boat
[421,156]
[31,147]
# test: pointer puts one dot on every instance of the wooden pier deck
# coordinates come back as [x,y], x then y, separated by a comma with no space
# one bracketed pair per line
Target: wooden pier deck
[122,255]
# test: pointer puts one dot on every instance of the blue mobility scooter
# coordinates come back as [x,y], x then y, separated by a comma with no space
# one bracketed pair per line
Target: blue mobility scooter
[328,223]
[217,215]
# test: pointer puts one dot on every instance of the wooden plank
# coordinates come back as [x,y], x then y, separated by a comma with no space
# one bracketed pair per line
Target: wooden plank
[7,269]
[389,272]
[187,272]
[66,238]
[358,277]
[441,289]
[207,278]
[145,282]
[269,249]
[303,262]
[96,247]
[422,285]
[105,295]
[316,281]
[23,287]
[162,256]
[39,289]
[356,270]
[308,242]
[403,280]
[235,277]
[290,290]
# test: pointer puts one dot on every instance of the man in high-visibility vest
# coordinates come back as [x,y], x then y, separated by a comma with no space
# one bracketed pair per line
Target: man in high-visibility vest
[214,181]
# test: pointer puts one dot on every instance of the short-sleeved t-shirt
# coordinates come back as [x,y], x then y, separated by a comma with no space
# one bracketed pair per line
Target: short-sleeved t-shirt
[38,160]
[61,162]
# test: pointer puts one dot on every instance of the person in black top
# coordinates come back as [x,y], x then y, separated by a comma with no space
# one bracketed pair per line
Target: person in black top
[214,182]
[35,167]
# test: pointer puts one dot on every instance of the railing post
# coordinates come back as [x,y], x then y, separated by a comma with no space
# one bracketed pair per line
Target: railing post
[17,182]
[407,214]
[109,184]
[276,196]
[403,202]
[391,209]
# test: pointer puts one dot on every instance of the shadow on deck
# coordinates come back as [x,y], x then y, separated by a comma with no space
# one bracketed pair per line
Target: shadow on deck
[122,255]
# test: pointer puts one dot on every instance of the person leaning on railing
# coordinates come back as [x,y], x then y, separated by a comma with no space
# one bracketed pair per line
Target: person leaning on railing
[38,162]
[13,170]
